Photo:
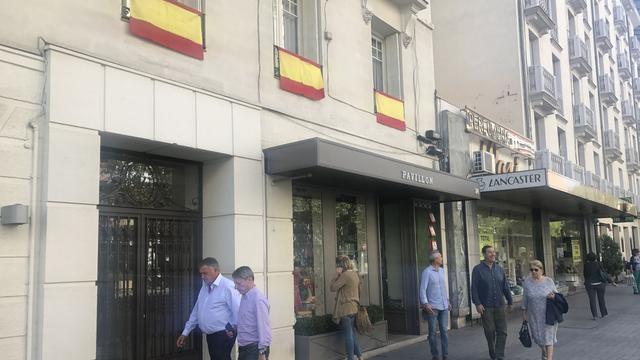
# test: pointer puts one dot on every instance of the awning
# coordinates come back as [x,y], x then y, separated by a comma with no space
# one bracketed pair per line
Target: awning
[544,189]
[329,163]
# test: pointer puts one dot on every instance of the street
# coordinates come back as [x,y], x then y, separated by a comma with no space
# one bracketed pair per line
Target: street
[616,337]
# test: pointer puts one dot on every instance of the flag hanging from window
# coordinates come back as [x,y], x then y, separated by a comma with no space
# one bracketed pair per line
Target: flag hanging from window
[168,23]
[299,75]
[390,111]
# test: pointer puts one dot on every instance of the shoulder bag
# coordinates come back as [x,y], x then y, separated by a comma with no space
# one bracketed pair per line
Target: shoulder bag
[525,337]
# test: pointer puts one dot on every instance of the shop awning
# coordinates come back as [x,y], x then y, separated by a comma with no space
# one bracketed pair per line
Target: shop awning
[544,189]
[329,163]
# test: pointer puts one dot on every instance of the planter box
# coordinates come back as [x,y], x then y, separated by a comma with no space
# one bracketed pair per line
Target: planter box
[330,346]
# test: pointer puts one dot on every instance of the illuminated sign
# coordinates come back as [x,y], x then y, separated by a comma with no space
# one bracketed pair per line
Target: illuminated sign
[502,136]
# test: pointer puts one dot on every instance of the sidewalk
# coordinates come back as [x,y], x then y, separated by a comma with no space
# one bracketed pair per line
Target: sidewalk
[616,337]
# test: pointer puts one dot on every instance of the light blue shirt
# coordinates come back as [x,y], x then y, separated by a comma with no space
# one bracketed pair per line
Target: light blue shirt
[216,306]
[433,288]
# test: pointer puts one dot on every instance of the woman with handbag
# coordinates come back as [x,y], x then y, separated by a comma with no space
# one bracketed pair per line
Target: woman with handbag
[537,289]
[346,286]
[595,280]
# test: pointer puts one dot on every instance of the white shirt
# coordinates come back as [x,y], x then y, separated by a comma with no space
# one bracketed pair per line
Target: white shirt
[216,306]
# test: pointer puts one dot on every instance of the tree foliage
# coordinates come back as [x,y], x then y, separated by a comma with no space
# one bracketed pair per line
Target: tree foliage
[611,256]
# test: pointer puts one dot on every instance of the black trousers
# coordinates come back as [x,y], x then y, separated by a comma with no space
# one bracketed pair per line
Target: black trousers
[250,352]
[220,345]
[592,291]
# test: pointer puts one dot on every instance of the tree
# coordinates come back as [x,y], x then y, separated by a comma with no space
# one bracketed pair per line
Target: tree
[611,256]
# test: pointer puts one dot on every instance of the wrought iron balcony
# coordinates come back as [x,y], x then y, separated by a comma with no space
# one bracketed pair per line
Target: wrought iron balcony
[542,90]
[584,123]
[538,15]
[620,19]
[633,161]
[545,159]
[603,38]
[628,113]
[634,45]
[607,90]
[579,56]
[577,5]
[612,149]
[624,66]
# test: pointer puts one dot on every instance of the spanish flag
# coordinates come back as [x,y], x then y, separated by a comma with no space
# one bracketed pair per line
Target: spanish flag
[168,23]
[390,111]
[299,75]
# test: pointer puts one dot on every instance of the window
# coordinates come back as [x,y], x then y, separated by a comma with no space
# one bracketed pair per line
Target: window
[621,178]
[609,171]
[596,163]
[580,153]
[290,22]
[385,58]
[296,27]
[377,57]
[351,237]
[562,143]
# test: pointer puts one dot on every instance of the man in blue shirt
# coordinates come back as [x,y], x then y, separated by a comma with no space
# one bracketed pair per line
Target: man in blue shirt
[434,299]
[215,311]
[489,288]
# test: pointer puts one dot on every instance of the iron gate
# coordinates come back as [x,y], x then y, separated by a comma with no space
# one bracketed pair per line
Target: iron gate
[149,248]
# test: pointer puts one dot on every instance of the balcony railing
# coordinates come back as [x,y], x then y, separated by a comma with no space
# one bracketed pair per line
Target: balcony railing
[538,15]
[603,38]
[612,147]
[593,180]
[607,90]
[577,5]
[628,114]
[624,66]
[542,89]
[579,56]
[584,123]
[545,159]
[574,171]
[632,159]
[620,19]
[634,45]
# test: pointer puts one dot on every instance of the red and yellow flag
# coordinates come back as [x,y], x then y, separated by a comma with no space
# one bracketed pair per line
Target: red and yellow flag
[169,24]
[300,76]
[390,111]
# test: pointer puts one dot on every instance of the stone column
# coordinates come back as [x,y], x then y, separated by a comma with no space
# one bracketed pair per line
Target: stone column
[460,218]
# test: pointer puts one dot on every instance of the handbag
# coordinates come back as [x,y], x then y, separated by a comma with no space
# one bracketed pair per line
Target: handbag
[363,322]
[604,277]
[525,337]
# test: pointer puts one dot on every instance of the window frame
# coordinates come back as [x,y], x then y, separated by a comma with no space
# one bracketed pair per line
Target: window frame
[298,19]
[383,68]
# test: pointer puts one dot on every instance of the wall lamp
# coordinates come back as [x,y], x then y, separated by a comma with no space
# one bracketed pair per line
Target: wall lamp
[431,139]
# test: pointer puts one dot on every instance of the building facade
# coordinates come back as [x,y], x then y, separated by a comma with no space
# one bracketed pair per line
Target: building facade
[137,157]
[546,88]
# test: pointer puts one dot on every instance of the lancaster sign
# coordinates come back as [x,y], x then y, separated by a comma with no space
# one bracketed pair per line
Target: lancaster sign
[512,181]
[498,134]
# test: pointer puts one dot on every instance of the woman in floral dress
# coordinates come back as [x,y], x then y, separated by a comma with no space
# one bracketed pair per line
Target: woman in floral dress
[537,289]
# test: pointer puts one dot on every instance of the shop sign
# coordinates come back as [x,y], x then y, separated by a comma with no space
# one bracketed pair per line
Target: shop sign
[511,181]
[417,178]
[504,137]
[623,219]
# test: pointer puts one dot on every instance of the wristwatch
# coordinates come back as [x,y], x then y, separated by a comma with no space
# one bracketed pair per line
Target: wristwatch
[262,351]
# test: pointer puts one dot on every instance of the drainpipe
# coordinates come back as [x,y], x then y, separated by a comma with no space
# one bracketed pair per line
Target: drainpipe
[595,51]
[35,131]
[524,70]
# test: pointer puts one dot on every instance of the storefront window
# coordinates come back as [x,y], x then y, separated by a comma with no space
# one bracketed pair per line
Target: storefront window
[308,273]
[567,238]
[351,237]
[511,235]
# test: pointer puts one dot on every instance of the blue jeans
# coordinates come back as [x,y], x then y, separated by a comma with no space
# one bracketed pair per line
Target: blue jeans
[442,316]
[350,337]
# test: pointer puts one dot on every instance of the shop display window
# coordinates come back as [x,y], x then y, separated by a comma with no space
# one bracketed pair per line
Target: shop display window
[308,271]
[351,236]
[511,235]
[567,239]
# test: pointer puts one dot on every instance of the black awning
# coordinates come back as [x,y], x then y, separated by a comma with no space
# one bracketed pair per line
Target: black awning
[544,189]
[330,163]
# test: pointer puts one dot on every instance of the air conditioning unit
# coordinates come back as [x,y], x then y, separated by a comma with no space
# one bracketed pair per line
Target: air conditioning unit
[483,162]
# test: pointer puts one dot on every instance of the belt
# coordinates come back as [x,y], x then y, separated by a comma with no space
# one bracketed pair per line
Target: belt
[243,347]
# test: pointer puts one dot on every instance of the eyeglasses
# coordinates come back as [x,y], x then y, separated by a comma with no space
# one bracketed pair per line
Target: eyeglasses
[534,270]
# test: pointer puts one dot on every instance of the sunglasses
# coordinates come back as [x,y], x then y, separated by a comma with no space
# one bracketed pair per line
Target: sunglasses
[534,270]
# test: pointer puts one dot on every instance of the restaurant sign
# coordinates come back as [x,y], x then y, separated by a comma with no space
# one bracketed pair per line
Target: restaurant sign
[512,181]
[502,136]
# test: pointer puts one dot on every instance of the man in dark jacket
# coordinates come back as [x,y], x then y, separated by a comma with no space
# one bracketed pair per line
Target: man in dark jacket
[555,308]
[489,288]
